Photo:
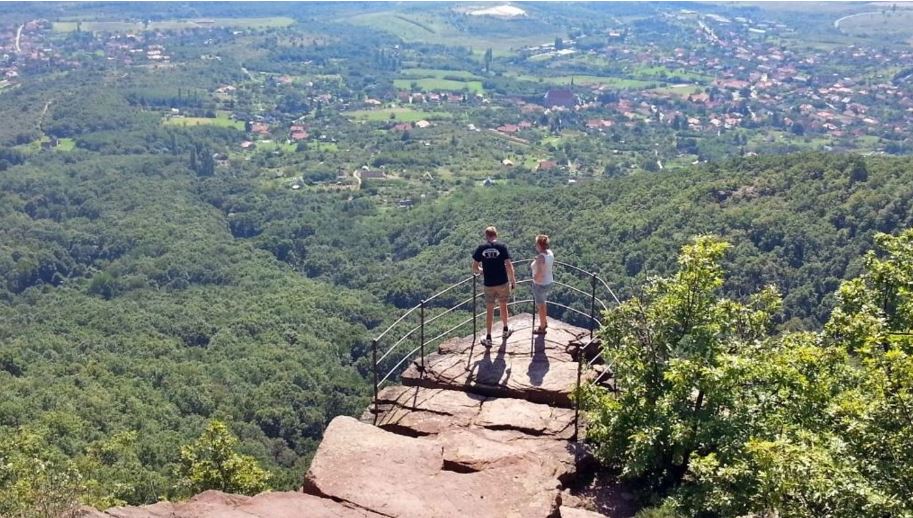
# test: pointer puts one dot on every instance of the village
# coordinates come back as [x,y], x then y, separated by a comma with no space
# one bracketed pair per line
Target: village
[609,101]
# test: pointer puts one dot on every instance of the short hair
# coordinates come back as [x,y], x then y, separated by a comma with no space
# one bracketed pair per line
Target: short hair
[543,241]
[491,231]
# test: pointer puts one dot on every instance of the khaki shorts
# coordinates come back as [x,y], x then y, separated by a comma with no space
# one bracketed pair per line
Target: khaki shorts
[495,294]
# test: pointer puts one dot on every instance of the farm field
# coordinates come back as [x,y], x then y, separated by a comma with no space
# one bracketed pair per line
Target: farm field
[660,72]
[439,73]
[587,80]
[266,146]
[430,28]
[886,22]
[164,25]
[678,90]
[63,144]
[398,114]
[221,121]
[432,83]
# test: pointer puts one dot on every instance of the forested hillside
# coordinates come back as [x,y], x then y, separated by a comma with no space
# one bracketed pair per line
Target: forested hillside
[129,307]
[140,296]
[800,222]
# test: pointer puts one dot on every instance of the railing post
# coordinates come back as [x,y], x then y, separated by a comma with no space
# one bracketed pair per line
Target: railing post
[421,335]
[592,304]
[475,311]
[374,356]
[580,355]
[535,309]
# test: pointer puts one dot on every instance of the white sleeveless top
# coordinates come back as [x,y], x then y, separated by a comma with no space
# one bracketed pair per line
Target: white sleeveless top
[549,260]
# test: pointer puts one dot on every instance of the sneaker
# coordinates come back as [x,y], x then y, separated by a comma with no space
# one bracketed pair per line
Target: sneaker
[539,331]
[486,342]
[506,333]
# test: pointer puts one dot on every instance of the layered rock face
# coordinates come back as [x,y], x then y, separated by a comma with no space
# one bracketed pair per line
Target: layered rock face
[480,432]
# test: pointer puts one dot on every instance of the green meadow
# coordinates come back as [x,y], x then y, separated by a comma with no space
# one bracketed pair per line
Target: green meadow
[221,121]
[398,114]
[433,84]
[164,25]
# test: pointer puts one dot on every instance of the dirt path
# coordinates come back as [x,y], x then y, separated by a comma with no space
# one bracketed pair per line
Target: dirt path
[44,112]
[19,38]
[357,176]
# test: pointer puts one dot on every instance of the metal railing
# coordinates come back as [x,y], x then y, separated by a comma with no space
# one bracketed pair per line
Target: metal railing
[589,314]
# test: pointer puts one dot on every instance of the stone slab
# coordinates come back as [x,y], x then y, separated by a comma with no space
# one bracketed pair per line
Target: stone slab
[573,512]
[404,477]
[478,449]
[491,372]
[216,504]
[418,411]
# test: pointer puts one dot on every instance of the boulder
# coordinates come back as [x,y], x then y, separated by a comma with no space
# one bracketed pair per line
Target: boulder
[545,459]
[216,504]
[541,369]
[573,512]
[530,418]
[419,411]
[406,477]
[296,505]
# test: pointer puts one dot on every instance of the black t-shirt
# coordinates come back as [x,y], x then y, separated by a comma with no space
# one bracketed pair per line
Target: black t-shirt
[492,257]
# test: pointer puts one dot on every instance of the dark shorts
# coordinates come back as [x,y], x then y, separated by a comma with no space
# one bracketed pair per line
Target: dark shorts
[540,292]
[495,294]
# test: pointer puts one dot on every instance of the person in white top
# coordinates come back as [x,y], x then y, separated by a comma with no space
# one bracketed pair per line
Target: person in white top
[542,280]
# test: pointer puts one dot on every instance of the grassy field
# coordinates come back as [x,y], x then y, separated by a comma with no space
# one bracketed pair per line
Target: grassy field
[431,28]
[327,147]
[878,23]
[164,25]
[221,121]
[399,114]
[438,73]
[682,91]
[559,140]
[435,84]
[268,146]
[586,80]
[64,144]
[867,143]
[659,72]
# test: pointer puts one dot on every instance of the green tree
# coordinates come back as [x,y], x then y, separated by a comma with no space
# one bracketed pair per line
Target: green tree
[670,351]
[873,322]
[211,462]
[35,480]
[114,474]
[727,420]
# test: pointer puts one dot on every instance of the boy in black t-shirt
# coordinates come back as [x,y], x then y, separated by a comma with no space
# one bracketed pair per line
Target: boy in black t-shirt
[492,260]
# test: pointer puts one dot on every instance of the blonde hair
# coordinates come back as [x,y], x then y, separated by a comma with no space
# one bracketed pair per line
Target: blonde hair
[543,241]
[491,232]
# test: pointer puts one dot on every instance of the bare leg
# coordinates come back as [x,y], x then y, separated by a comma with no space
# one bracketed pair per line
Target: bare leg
[489,317]
[543,315]
[504,314]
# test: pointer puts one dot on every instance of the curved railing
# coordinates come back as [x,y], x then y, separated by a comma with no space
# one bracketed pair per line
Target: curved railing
[589,314]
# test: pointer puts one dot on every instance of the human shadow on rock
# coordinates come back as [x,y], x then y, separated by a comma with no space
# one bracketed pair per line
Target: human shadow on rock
[538,365]
[491,371]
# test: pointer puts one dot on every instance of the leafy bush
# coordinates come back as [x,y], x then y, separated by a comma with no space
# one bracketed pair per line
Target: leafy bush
[726,419]
[211,462]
